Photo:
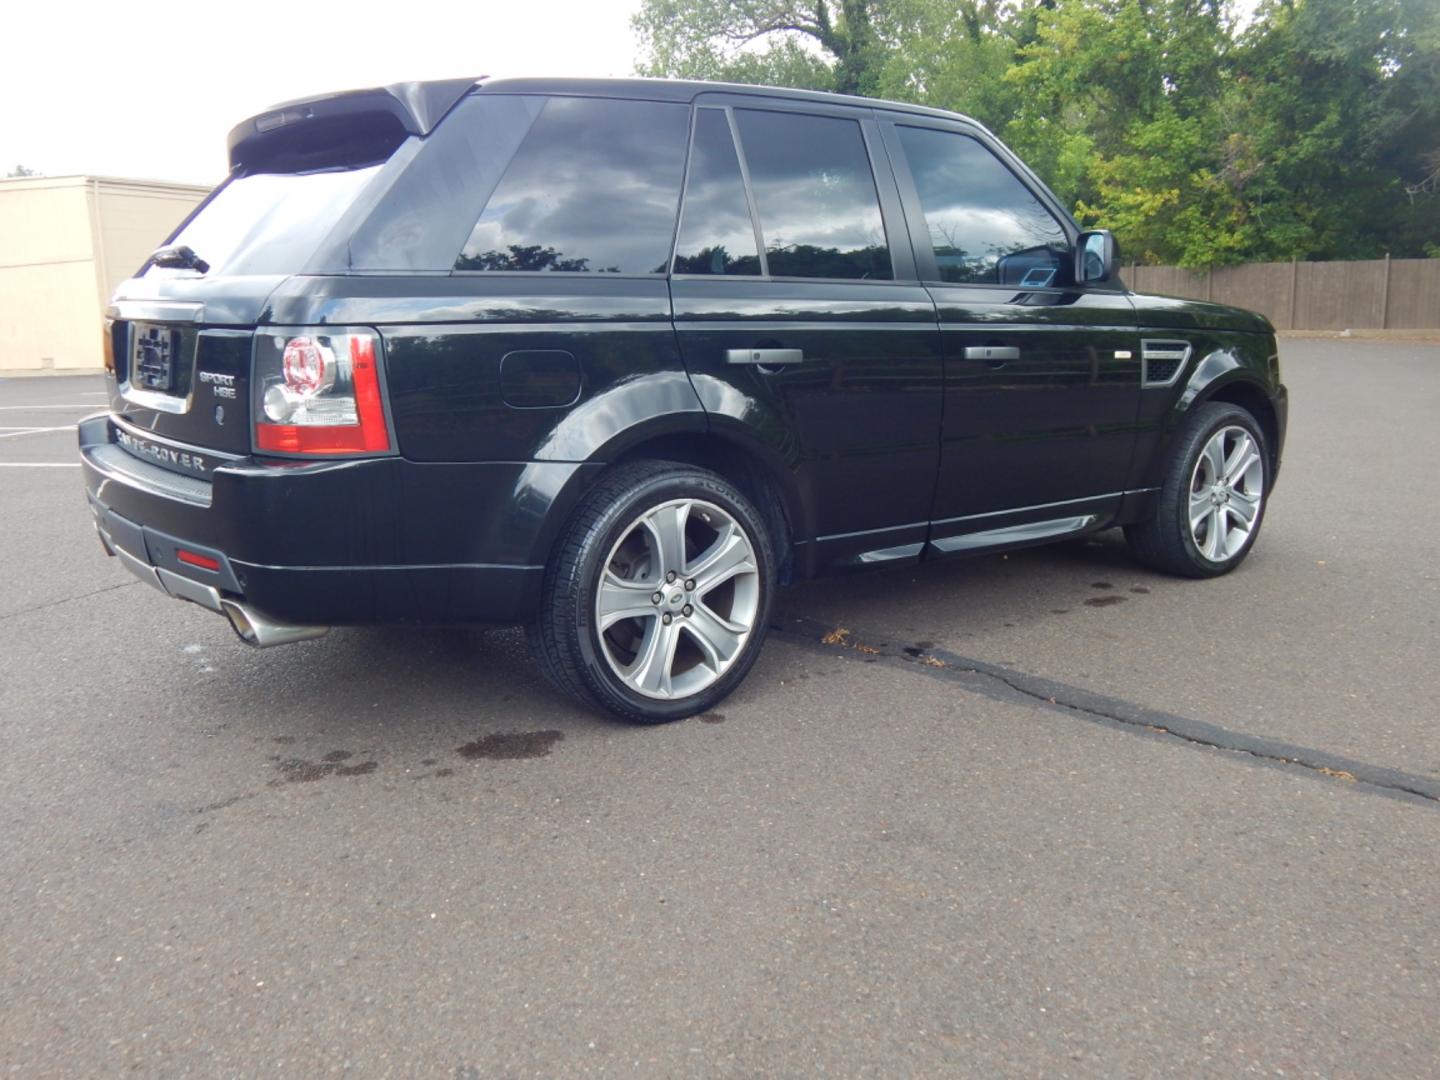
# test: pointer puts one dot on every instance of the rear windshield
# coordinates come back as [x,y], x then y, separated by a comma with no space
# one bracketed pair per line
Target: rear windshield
[269,223]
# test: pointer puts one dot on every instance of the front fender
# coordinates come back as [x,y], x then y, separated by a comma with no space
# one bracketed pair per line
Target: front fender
[1228,361]
[1214,371]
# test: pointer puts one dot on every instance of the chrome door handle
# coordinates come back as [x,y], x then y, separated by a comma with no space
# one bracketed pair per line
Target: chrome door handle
[764,357]
[991,352]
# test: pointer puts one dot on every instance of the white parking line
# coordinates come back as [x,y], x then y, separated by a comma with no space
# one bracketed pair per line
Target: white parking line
[36,431]
[39,464]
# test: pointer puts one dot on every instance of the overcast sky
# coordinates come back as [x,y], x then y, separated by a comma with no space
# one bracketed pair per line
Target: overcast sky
[150,89]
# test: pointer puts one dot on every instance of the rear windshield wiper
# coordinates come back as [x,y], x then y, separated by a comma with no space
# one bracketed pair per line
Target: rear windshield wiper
[178,257]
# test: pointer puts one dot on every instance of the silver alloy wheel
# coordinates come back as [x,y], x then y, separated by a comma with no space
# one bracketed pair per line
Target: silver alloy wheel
[1226,492]
[677,599]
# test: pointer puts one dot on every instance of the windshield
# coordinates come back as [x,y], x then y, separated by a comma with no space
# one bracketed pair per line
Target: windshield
[269,223]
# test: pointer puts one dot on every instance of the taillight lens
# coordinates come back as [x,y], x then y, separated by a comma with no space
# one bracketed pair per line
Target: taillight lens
[318,392]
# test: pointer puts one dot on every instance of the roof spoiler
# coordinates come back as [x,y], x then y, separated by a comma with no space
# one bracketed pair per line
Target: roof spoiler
[417,106]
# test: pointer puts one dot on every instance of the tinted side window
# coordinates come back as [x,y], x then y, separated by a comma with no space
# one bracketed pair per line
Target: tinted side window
[594,186]
[716,233]
[815,196]
[985,225]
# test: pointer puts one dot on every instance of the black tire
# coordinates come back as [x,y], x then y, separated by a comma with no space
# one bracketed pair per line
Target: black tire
[563,635]
[1165,541]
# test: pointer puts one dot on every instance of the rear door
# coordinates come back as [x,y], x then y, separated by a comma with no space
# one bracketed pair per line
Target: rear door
[801,320]
[1042,377]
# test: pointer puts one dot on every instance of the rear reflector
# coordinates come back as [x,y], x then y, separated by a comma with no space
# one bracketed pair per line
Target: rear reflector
[190,558]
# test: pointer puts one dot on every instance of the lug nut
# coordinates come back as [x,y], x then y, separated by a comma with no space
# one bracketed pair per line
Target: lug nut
[687,611]
[665,618]
[657,598]
[670,575]
[690,586]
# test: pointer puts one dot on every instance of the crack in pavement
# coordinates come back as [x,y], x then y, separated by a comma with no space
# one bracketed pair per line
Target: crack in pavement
[1003,684]
[67,600]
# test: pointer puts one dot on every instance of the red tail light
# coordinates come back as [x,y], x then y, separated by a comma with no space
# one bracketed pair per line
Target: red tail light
[319,393]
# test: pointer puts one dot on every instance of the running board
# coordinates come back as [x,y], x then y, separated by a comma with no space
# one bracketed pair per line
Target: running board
[1031,533]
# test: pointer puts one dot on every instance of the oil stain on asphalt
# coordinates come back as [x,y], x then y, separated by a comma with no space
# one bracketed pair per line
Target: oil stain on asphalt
[300,771]
[511,745]
[1104,601]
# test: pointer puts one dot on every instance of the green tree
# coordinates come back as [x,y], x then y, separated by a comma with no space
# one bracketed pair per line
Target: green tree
[1314,132]
[20,170]
[835,45]
[1337,105]
[954,55]
[1118,111]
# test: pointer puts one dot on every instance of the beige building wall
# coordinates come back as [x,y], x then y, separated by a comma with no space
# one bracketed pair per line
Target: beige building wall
[65,244]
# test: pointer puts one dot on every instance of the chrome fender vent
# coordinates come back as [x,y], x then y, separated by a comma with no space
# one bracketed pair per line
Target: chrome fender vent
[1161,362]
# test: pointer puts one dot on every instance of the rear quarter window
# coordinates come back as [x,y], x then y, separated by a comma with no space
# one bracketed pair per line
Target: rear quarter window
[593,187]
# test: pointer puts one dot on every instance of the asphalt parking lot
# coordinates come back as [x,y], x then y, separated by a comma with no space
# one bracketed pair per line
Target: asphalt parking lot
[1039,815]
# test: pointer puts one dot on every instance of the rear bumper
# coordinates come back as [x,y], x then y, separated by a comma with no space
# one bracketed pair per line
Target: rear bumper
[333,542]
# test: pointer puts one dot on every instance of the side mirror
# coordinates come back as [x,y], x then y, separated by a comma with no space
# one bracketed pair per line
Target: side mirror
[1096,256]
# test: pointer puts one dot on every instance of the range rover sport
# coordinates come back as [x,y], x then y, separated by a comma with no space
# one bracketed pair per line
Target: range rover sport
[615,359]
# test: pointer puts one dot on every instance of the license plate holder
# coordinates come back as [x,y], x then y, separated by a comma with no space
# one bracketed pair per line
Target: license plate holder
[154,357]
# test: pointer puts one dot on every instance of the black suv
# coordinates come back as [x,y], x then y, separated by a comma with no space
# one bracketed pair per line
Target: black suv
[614,359]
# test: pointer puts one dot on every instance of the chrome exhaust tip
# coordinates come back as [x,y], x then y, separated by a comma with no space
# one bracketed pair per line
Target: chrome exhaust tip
[261,631]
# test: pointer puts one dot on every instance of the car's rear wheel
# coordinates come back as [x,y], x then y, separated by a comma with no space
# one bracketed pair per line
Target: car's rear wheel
[1212,498]
[658,596]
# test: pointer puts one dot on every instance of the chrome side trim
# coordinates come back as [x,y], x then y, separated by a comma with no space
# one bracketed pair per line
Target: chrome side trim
[1039,506]
[885,555]
[873,532]
[1015,534]
[775,326]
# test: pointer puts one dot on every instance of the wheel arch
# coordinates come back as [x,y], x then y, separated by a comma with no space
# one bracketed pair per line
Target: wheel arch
[687,438]
[1234,371]
[1250,395]
[751,468]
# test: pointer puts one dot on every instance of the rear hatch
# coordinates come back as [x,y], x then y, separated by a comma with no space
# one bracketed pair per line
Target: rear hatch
[180,333]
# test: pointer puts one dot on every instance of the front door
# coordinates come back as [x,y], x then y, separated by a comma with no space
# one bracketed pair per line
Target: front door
[1042,376]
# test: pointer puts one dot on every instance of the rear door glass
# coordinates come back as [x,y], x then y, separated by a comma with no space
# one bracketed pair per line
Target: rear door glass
[594,186]
[815,196]
[985,226]
[717,235]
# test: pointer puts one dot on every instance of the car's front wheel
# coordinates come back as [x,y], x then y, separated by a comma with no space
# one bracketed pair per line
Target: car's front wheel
[657,598]
[1212,498]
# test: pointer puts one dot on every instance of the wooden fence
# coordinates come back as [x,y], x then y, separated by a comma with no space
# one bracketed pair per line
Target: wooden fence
[1376,294]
